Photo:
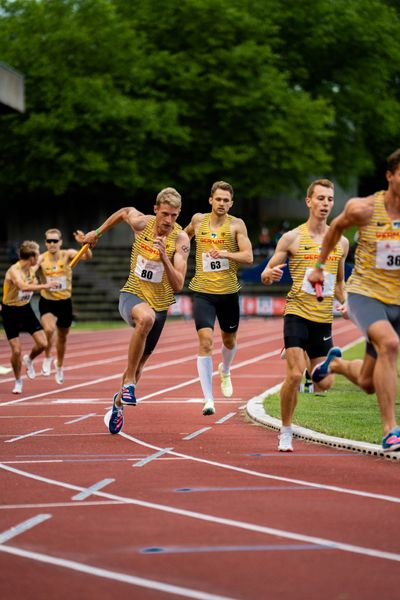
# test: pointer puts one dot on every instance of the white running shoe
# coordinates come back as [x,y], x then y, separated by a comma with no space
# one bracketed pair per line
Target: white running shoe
[17,387]
[59,373]
[226,384]
[208,408]
[30,369]
[46,367]
[5,370]
[285,441]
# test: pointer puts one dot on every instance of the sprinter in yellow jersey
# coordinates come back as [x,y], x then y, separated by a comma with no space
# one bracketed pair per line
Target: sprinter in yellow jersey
[307,326]
[55,304]
[158,267]
[19,284]
[373,295]
[222,244]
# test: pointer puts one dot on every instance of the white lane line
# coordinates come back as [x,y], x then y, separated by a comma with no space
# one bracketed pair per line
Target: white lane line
[333,544]
[196,433]
[144,461]
[157,366]
[59,504]
[92,489]
[80,418]
[311,484]
[113,575]
[21,437]
[225,418]
[21,527]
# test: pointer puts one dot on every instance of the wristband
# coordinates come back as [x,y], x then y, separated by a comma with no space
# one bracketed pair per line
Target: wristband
[98,233]
[319,265]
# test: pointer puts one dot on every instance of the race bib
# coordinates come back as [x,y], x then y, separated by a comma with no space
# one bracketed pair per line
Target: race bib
[149,270]
[388,255]
[24,296]
[328,286]
[59,283]
[211,265]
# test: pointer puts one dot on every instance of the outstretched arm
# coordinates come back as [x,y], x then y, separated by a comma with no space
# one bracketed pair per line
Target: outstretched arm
[133,217]
[356,212]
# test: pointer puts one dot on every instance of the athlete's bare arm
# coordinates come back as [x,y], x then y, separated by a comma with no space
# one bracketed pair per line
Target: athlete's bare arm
[357,211]
[175,269]
[286,246]
[340,293]
[191,228]
[14,277]
[130,215]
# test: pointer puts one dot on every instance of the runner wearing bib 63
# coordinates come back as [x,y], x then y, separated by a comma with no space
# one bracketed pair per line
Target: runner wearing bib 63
[222,244]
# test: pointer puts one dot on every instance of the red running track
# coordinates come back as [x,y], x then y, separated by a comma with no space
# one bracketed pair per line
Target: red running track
[182,505]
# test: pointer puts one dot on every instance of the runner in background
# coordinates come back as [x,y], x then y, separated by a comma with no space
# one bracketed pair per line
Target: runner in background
[307,326]
[18,287]
[222,244]
[55,304]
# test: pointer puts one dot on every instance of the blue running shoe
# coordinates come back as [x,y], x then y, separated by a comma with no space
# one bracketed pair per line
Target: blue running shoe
[391,442]
[128,395]
[116,417]
[322,369]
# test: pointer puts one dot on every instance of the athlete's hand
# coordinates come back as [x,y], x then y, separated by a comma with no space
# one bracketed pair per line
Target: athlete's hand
[316,276]
[272,274]
[342,308]
[215,253]
[159,244]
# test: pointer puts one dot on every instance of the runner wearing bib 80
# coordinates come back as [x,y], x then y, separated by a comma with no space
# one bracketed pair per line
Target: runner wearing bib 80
[373,294]
[222,244]
[157,271]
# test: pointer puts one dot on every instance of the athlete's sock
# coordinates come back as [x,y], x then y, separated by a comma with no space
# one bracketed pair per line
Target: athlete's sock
[227,358]
[204,369]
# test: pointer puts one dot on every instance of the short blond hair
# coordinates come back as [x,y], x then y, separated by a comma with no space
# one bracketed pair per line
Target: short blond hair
[169,196]
[53,230]
[28,248]
[323,182]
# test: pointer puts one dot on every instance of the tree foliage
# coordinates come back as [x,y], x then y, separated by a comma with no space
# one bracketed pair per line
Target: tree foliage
[134,95]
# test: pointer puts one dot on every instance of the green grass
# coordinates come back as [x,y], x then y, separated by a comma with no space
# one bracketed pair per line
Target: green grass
[97,325]
[344,411]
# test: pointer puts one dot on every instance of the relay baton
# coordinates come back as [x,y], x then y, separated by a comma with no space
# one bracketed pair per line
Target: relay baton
[318,291]
[78,256]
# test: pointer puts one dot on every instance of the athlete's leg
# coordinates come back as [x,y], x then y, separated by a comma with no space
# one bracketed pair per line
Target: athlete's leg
[295,365]
[386,343]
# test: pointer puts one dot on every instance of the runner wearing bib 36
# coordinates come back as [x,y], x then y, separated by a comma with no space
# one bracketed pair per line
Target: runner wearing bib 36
[373,294]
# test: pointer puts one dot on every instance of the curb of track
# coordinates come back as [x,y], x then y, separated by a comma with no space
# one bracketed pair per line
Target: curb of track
[255,410]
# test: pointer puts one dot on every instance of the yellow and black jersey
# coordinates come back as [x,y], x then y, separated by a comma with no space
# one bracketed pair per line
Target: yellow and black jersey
[215,275]
[12,295]
[301,299]
[147,278]
[376,270]
[60,273]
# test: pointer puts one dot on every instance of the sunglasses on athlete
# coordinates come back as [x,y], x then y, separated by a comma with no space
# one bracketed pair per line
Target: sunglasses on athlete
[51,241]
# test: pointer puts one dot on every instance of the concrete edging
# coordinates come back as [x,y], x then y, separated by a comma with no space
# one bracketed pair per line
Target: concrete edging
[256,412]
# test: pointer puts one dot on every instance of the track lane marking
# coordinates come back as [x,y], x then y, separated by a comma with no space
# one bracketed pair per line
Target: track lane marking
[114,575]
[342,546]
[21,527]
[26,435]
